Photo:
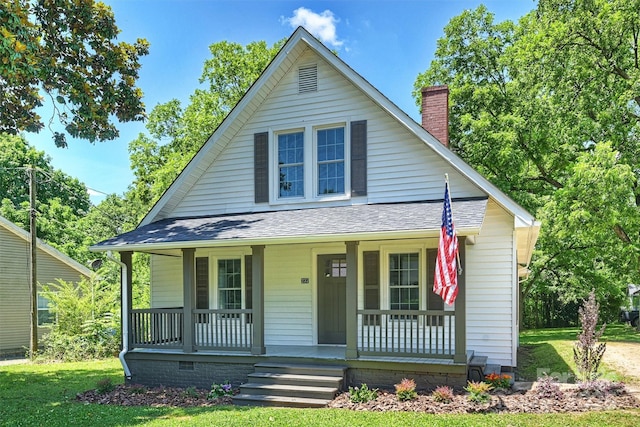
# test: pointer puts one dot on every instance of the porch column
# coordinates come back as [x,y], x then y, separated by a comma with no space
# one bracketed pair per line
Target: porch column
[189,298]
[257,294]
[352,300]
[125,258]
[460,310]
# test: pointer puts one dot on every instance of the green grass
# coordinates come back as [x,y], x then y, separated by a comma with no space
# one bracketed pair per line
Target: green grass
[40,394]
[551,351]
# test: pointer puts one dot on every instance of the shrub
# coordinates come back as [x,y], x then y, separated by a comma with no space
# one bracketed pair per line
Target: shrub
[362,394]
[105,385]
[587,353]
[498,380]
[478,391]
[406,390]
[137,389]
[190,392]
[443,394]
[220,390]
[548,388]
[600,388]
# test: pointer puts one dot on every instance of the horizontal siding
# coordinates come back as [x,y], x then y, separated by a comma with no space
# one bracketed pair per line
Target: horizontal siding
[400,167]
[288,305]
[15,296]
[490,286]
[166,281]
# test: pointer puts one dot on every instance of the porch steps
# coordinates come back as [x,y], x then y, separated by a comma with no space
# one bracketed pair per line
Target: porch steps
[478,368]
[304,386]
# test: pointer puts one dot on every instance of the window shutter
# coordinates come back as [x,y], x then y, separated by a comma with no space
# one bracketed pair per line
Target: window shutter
[434,301]
[359,158]
[248,282]
[371,267]
[202,283]
[261,167]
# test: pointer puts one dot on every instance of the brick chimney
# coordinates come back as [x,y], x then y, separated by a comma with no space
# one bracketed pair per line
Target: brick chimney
[435,112]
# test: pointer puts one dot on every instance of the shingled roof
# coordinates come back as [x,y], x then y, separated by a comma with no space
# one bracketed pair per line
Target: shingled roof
[321,224]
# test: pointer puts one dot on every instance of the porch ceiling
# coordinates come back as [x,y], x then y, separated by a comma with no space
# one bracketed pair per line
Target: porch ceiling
[356,222]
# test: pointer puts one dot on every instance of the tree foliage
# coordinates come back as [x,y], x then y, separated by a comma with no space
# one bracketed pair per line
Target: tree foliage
[548,109]
[67,51]
[177,133]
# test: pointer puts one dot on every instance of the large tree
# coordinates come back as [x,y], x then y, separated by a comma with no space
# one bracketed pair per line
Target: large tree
[177,133]
[65,52]
[548,109]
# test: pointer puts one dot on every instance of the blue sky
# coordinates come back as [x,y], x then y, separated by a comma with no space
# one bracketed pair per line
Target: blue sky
[388,42]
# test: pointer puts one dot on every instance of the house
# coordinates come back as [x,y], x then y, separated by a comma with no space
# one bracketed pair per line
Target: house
[15,290]
[305,231]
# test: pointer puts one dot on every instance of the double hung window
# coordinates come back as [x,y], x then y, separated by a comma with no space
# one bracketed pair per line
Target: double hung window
[291,164]
[230,284]
[404,283]
[330,149]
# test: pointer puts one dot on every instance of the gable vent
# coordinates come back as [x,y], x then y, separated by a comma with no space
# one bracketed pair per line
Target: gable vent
[308,79]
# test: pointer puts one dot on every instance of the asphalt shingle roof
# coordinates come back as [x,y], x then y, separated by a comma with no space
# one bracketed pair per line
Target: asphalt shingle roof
[342,220]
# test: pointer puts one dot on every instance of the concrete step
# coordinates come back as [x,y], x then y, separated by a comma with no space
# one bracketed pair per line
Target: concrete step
[285,401]
[492,369]
[298,369]
[296,379]
[287,390]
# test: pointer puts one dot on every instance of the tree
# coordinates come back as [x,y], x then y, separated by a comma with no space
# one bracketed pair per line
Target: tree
[548,109]
[177,133]
[66,50]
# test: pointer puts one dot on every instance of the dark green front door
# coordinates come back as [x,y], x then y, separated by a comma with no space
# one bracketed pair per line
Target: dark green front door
[332,309]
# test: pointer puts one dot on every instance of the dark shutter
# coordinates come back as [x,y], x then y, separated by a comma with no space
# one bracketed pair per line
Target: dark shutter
[202,283]
[434,301]
[359,158]
[371,273]
[248,286]
[261,166]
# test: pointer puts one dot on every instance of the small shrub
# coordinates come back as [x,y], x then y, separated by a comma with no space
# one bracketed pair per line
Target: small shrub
[443,394]
[587,353]
[406,390]
[600,388]
[220,390]
[548,388]
[498,380]
[190,392]
[362,394]
[105,386]
[478,391]
[137,389]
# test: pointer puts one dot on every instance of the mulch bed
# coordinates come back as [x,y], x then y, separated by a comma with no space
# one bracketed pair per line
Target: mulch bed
[500,402]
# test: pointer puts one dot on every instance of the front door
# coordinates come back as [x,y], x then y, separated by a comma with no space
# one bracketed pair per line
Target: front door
[332,306]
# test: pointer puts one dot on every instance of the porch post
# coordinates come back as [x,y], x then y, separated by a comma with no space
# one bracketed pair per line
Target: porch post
[257,295]
[125,258]
[188,289]
[460,310]
[352,300]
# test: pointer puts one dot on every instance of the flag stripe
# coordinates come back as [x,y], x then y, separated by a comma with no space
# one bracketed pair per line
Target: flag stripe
[446,276]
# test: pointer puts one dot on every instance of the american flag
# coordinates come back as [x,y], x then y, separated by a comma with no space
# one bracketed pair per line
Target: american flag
[446,275]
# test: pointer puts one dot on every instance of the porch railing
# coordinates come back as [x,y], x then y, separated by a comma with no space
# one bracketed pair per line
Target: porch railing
[223,329]
[415,333]
[156,327]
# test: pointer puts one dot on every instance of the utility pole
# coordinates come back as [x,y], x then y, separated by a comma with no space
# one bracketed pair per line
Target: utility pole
[33,278]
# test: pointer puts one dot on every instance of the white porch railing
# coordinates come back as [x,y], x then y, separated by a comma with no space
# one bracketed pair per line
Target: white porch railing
[415,333]
[223,329]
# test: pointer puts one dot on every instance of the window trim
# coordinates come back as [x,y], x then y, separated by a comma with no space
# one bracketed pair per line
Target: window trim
[310,165]
[215,294]
[47,309]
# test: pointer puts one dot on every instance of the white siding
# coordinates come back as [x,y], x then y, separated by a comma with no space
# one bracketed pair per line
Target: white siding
[288,305]
[400,167]
[490,285]
[166,281]
[15,297]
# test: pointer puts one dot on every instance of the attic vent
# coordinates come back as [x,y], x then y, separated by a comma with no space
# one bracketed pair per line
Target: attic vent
[308,79]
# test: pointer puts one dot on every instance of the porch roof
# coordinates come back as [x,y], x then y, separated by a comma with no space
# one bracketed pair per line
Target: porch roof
[355,222]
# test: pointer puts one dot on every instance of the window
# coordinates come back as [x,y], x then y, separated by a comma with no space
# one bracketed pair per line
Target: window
[404,289]
[336,267]
[330,152]
[291,164]
[230,284]
[45,316]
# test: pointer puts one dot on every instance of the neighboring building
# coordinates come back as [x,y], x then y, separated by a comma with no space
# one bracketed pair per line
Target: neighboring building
[305,230]
[15,292]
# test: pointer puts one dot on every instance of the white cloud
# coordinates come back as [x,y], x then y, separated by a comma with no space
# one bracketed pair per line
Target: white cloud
[322,25]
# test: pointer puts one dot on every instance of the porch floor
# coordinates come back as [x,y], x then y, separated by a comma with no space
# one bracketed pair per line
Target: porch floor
[325,352]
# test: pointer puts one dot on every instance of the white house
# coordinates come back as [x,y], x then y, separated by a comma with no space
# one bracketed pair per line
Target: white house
[305,231]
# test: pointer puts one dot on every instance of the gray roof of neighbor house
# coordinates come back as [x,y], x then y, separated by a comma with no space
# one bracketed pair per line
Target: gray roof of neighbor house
[355,222]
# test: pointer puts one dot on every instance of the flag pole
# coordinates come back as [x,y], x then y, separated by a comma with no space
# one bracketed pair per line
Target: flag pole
[446,180]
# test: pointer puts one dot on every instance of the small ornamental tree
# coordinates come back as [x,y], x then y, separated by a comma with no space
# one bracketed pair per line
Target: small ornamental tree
[587,352]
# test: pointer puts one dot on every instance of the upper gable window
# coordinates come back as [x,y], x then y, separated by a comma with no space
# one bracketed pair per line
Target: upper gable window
[308,79]
[291,164]
[330,148]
